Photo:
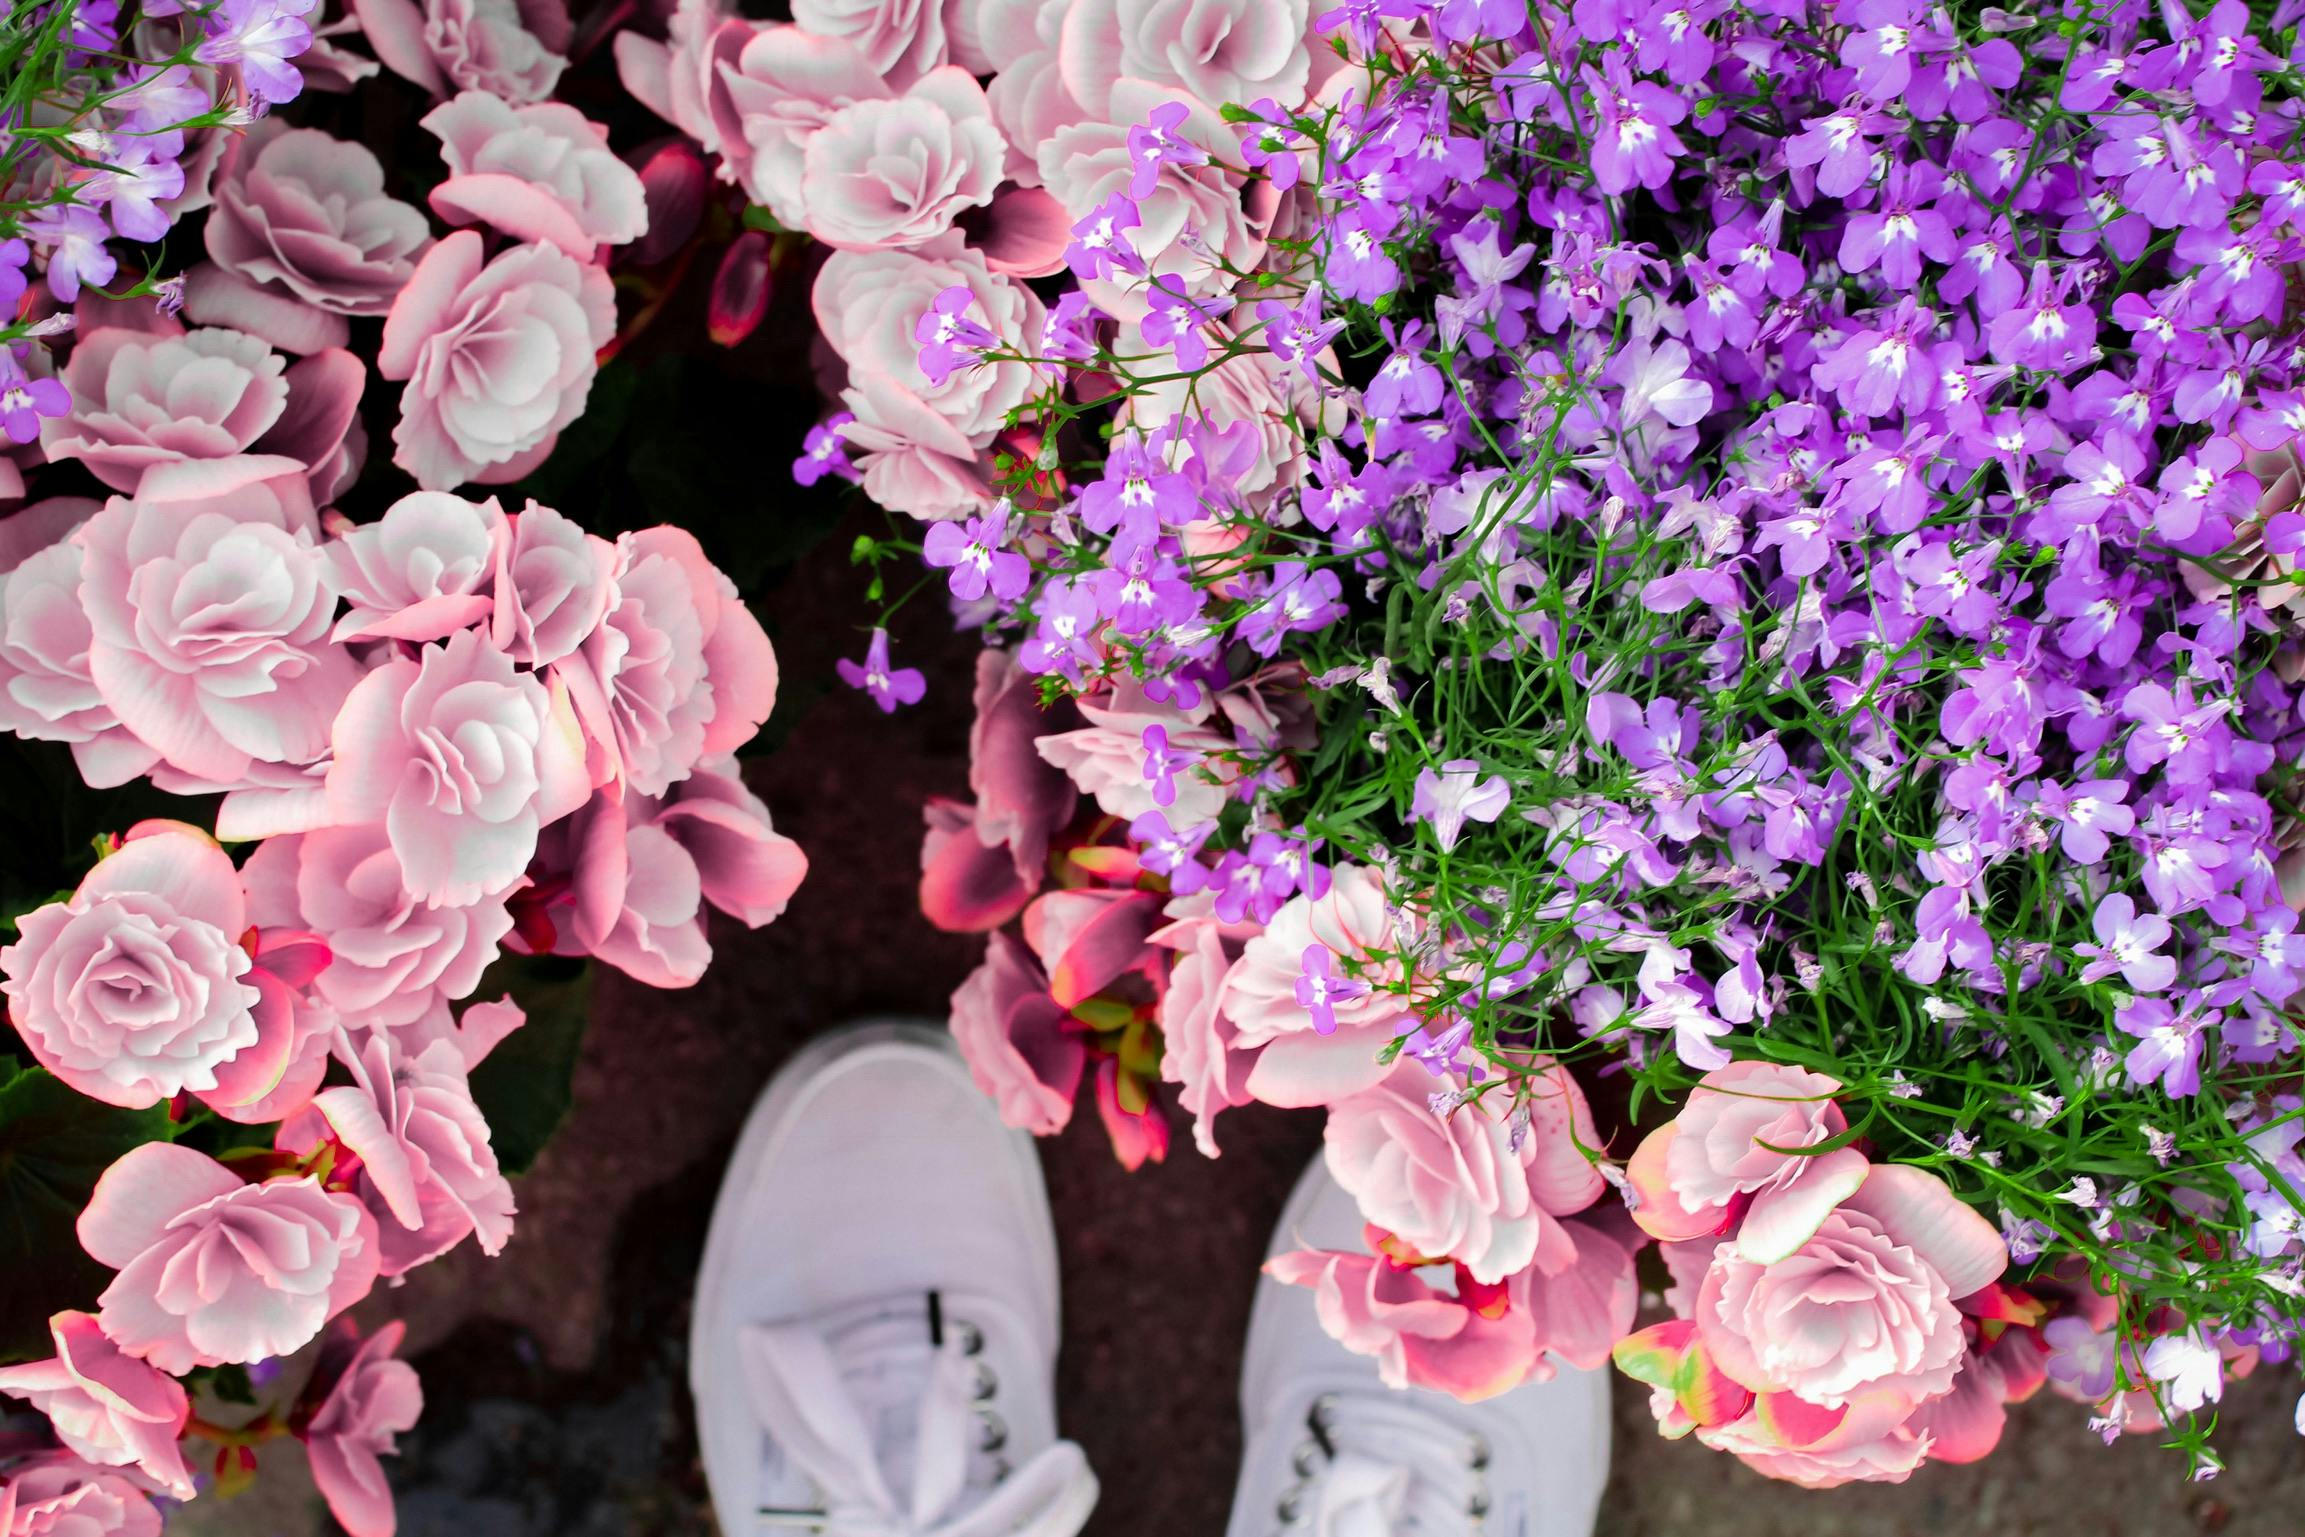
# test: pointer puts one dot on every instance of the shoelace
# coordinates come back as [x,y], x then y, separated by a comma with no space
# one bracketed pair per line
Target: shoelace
[836,1405]
[1382,1466]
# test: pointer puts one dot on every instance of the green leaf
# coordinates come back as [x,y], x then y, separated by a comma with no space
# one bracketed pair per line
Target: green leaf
[54,1144]
[523,1086]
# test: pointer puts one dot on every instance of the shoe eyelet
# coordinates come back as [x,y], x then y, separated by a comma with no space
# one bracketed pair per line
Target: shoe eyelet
[1477,1454]
[986,1384]
[1291,1506]
[1001,1470]
[995,1434]
[971,1338]
[1318,1415]
[1308,1459]
[1478,1505]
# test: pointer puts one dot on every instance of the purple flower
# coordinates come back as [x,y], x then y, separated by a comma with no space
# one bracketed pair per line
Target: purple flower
[2089,813]
[1298,334]
[1298,599]
[977,553]
[1270,143]
[2128,944]
[2168,1049]
[1876,370]
[1455,795]
[260,36]
[889,687]
[1162,764]
[948,339]
[1154,143]
[1839,146]
[1100,245]
[1064,638]
[24,399]
[1635,144]
[74,239]
[1165,851]
[1319,988]
[825,452]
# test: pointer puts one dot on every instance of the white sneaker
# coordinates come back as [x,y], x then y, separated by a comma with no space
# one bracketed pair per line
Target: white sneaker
[874,1347]
[1333,1452]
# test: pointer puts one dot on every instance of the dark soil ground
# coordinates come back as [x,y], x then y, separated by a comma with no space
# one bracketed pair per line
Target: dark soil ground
[554,1374]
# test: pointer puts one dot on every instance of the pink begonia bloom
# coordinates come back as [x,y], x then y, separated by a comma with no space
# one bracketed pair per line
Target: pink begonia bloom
[391,956]
[782,87]
[474,45]
[479,1030]
[1452,1186]
[1217,50]
[894,174]
[498,358]
[1298,1065]
[981,863]
[553,583]
[640,870]
[372,1398]
[1089,938]
[420,572]
[1028,97]
[215,1271]
[1084,164]
[903,39]
[302,236]
[541,172]
[60,1496]
[1012,1035]
[1713,1167]
[140,400]
[1106,758]
[426,1171]
[107,1407]
[677,77]
[210,600]
[919,445]
[46,693]
[136,988]
[1421,1337]
[1200,1050]
[1582,1302]
[463,760]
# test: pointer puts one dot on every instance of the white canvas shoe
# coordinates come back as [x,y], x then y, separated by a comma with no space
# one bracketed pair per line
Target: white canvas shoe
[874,1347]
[1332,1452]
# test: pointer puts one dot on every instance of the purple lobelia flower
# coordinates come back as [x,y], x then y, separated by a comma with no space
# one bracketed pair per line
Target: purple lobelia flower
[888,687]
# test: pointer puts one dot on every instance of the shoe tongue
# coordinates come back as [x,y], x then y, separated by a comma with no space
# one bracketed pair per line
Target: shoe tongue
[1360,1497]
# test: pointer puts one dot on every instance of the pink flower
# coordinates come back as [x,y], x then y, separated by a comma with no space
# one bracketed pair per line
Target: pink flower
[1089,938]
[391,956]
[108,1408]
[894,174]
[372,1399]
[61,1496]
[980,864]
[479,45]
[1714,1165]
[419,572]
[903,39]
[209,600]
[919,444]
[553,584]
[46,693]
[215,1271]
[1013,1036]
[1201,1051]
[1422,1337]
[678,78]
[1107,757]
[302,235]
[542,172]
[783,86]
[427,1173]
[140,400]
[498,358]
[136,988]
[1217,50]
[1254,390]
[642,868]
[1028,97]
[463,760]
[1452,1185]
[1298,1065]
[968,885]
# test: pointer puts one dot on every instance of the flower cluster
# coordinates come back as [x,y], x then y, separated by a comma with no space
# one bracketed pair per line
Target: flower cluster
[1751,534]
[433,729]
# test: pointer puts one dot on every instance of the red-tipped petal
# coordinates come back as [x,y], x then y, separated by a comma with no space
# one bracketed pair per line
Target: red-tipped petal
[740,289]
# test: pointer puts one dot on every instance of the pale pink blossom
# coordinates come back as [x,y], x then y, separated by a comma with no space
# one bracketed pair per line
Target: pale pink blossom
[1421,1337]
[426,1173]
[1200,1044]
[372,1398]
[391,956]
[782,87]
[677,77]
[540,172]
[553,583]
[1217,50]
[1298,1065]
[140,400]
[210,601]
[1028,97]
[420,572]
[1106,758]
[1088,938]
[903,39]
[58,1495]
[301,237]
[107,1407]
[498,357]
[213,1270]
[46,693]
[474,45]
[1451,1184]
[638,684]
[1715,1167]
[981,863]
[894,174]
[463,760]
[1011,1033]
